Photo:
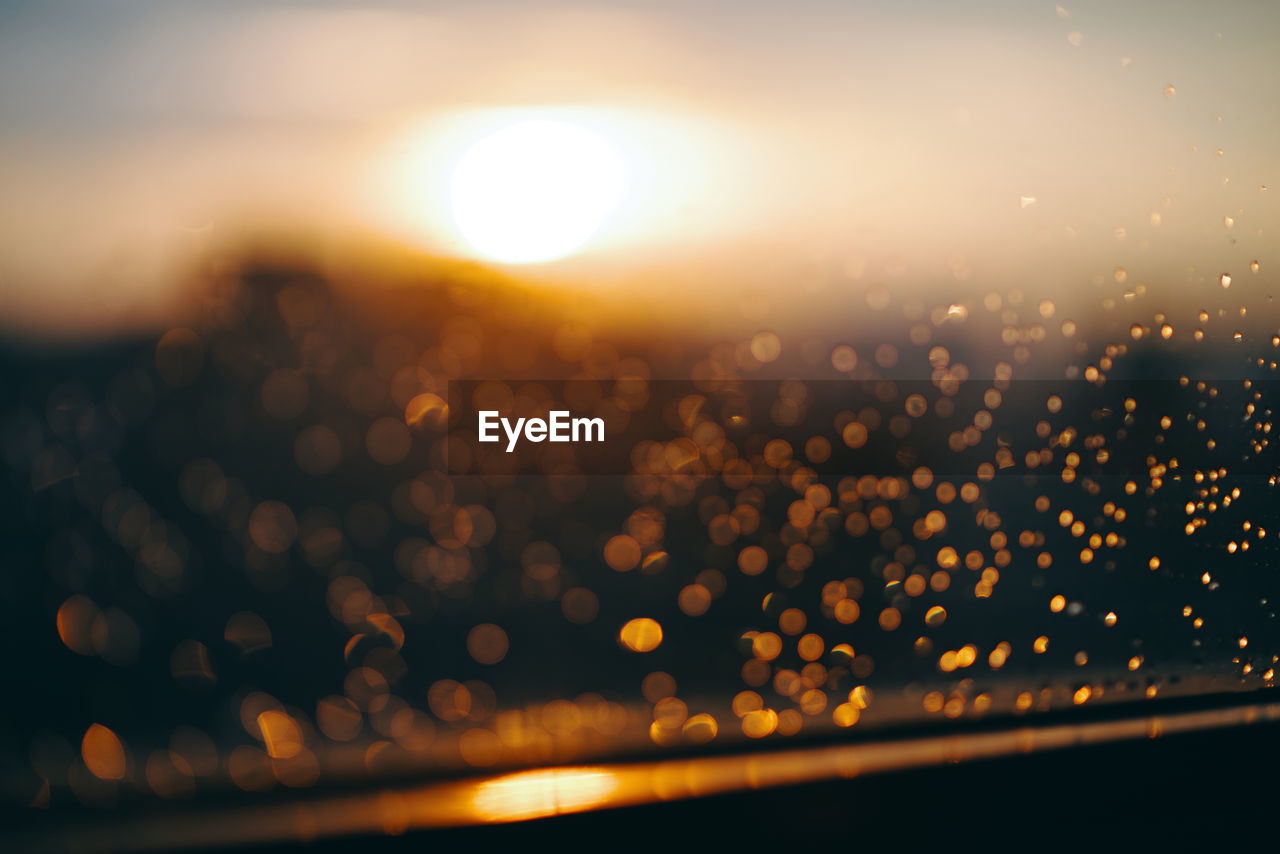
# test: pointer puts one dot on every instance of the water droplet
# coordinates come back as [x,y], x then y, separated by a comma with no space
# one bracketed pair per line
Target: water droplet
[1169,91]
[1225,280]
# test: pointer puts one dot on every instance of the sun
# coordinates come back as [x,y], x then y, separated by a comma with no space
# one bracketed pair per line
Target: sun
[536,191]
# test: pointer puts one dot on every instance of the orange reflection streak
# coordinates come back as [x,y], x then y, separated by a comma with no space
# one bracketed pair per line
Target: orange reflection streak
[548,792]
[536,794]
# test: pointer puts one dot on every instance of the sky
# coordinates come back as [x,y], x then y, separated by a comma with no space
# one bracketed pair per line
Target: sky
[926,144]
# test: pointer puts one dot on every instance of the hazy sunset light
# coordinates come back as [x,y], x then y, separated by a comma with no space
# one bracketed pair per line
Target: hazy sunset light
[673,424]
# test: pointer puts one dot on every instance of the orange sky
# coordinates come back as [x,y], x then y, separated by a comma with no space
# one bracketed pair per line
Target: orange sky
[824,145]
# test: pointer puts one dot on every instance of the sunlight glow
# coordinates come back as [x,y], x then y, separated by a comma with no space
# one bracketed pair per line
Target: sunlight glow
[536,191]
